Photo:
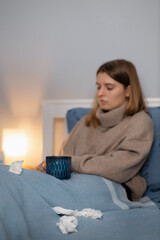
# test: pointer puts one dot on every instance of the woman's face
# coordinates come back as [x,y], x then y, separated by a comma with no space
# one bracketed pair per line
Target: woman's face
[110,93]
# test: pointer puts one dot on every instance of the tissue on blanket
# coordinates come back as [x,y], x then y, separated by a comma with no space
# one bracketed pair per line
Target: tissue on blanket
[16,167]
[89,213]
[86,212]
[67,224]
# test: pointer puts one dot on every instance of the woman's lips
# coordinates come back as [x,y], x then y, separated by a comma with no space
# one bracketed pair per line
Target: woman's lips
[102,102]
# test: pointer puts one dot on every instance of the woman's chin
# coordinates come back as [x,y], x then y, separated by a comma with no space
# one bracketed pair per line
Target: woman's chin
[104,109]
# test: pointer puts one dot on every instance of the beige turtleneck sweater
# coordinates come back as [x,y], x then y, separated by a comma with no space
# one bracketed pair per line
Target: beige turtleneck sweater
[116,150]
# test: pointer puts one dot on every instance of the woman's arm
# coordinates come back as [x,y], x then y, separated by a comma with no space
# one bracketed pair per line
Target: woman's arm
[119,165]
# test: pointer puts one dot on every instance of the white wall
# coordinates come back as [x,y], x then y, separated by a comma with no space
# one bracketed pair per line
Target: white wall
[51,49]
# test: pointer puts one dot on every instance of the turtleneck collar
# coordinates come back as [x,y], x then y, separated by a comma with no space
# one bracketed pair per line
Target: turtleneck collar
[112,117]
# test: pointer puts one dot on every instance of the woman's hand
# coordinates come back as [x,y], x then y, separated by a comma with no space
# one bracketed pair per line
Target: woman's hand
[41,167]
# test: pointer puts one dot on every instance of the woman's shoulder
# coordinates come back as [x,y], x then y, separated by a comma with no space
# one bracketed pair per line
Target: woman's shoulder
[141,124]
[142,117]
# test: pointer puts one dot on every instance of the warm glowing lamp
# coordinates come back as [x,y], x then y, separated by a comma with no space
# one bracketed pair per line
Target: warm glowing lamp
[14,144]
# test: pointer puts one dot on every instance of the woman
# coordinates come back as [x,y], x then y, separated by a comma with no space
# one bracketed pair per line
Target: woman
[115,138]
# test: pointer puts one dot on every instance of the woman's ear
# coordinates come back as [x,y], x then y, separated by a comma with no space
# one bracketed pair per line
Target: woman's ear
[128,90]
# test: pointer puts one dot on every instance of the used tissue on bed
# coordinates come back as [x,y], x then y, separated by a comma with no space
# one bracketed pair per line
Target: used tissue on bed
[67,224]
[86,212]
[16,167]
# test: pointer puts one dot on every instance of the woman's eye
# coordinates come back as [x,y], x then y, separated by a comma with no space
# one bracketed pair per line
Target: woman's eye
[109,89]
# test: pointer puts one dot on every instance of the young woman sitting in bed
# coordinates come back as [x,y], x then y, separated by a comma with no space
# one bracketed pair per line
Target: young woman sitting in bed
[115,138]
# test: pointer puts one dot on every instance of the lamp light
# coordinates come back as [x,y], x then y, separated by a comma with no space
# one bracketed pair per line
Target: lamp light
[14,144]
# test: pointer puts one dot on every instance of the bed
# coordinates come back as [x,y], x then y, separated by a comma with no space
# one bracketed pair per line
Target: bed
[27,201]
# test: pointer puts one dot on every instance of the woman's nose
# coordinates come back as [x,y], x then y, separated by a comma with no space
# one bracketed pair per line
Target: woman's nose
[101,91]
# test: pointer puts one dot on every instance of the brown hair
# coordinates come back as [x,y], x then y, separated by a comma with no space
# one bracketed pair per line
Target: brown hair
[125,73]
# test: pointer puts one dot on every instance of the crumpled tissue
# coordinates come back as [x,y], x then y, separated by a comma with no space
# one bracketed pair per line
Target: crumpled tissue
[86,212]
[16,167]
[69,223]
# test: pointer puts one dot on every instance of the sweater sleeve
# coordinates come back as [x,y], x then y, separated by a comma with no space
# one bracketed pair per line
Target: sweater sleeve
[124,162]
[120,165]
